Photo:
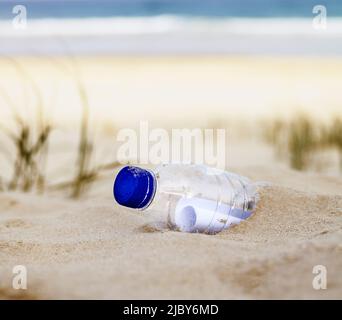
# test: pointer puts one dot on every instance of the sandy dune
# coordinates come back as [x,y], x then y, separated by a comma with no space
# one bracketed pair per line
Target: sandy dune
[93,249]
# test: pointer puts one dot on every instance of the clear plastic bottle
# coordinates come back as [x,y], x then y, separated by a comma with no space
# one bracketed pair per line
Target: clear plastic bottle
[189,198]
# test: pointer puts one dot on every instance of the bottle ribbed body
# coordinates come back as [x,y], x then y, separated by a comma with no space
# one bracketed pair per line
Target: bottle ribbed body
[197,198]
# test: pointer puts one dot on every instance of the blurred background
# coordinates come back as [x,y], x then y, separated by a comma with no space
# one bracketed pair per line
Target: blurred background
[73,73]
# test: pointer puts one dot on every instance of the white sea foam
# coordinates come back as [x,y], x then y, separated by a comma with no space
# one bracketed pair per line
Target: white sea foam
[170,24]
[187,34]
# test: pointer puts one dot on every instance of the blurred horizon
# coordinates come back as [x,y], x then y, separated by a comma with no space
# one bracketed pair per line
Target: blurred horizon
[276,27]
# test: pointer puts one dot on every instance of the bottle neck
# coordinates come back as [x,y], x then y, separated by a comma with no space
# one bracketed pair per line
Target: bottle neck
[154,186]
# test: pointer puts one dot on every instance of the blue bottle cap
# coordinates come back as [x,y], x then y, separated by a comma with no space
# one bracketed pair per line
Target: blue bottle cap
[134,187]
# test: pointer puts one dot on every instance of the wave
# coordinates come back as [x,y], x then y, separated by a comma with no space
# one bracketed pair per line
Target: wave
[170,25]
[172,35]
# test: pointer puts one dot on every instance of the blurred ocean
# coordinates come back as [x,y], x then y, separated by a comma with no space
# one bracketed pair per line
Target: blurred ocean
[171,27]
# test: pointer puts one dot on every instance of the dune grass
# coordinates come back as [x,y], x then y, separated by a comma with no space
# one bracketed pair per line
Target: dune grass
[297,139]
[30,140]
[84,173]
[302,140]
[334,137]
[274,133]
[30,152]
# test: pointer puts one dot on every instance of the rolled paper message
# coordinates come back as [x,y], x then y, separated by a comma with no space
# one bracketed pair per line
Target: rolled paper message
[200,215]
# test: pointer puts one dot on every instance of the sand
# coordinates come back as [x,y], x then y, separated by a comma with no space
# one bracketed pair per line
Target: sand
[198,89]
[94,249]
[91,248]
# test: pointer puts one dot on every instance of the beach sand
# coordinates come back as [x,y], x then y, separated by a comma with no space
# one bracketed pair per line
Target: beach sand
[91,248]
[198,89]
[94,249]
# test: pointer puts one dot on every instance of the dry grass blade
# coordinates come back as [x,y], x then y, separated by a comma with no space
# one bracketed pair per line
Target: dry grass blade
[30,142]
[84,175]
[40,149]
[295,140]
[27,166]
[274,133]
[301,141]
[335,136]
